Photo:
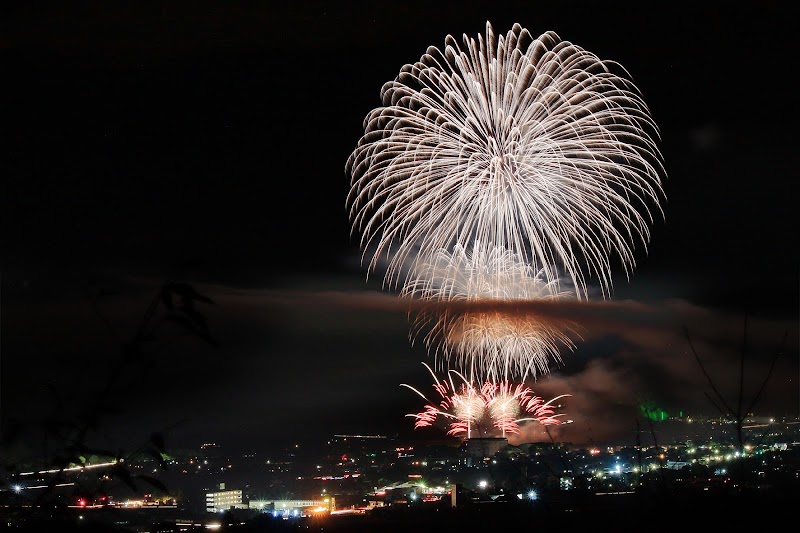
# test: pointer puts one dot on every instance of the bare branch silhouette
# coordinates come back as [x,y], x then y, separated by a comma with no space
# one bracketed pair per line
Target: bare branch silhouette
[738,415]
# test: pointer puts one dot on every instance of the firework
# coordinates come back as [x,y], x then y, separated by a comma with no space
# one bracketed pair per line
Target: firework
[464,405]
[494,273]
[506,402]
[484,336]
[501,407]
[495,345]
[531,145]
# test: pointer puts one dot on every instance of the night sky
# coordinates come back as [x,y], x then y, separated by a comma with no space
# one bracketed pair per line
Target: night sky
[205,143]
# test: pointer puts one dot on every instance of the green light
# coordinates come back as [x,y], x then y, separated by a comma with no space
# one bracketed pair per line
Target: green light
[650,411]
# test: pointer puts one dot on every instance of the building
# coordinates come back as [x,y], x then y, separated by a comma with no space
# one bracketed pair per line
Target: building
[478,449]
[224,500]
[289,508]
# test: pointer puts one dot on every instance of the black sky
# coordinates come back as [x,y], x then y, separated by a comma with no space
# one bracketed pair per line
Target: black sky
[206,142]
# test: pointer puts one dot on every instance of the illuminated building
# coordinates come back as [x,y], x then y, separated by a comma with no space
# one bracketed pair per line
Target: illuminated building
[223,500]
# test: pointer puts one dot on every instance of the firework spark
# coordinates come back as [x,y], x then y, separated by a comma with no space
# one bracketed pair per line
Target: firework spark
[487,341]
[532,145]
[494,273]
[507,402]
[500,407]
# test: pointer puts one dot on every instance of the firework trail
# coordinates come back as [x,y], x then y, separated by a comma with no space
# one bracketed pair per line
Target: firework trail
[468,408]
[532,145]
[485,338]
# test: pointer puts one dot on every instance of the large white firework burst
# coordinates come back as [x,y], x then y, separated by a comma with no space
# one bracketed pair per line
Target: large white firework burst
[470,319]
[533,145]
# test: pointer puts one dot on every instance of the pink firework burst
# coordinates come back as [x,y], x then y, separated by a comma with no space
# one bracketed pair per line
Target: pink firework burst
[498,407]
[509,405]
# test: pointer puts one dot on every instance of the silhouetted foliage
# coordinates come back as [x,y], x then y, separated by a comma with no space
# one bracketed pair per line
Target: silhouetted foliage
[174,302]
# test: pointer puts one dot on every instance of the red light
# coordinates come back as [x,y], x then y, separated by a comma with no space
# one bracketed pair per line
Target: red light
[82,502]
